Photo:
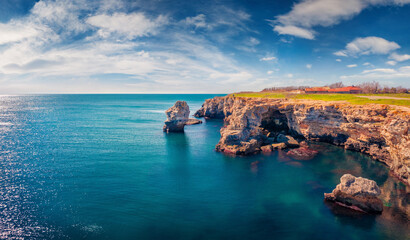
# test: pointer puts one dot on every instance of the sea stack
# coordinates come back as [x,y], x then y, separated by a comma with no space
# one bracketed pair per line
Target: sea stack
[357,193]
[178,117]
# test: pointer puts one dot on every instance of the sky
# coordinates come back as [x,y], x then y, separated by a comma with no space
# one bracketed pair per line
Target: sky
[202,46]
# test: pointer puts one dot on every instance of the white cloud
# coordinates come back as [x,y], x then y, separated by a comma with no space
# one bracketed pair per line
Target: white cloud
[392,63]
[380,70]
[220,17]
[340,54]
[294,31]
[290,75]
[128,25]
[307,14]
[253,41]
[351,65]
[61,15]
[367,64]
[398,57]
[269,72]
[338,60]
[308,66]
[14,32]
[268,59]
[198,21]
[368,45]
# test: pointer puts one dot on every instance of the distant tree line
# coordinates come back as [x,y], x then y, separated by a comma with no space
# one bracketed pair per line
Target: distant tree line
[367,87]
[375,87]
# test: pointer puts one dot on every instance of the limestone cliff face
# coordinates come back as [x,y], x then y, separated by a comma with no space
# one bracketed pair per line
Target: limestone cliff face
[217,107]
[377,130]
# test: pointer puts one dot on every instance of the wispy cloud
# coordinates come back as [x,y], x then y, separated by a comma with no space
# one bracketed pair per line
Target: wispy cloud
[57,41]
[294,31]
[268,59]
[307,14]
[126,25]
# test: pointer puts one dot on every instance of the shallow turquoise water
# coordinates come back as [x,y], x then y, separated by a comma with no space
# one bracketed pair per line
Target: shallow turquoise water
[100,167]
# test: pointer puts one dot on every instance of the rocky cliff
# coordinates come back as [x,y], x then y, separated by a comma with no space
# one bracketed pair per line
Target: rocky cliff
[377,130]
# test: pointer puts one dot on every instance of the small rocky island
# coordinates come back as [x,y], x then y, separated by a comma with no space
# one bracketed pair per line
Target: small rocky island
[357,193]
[178,117]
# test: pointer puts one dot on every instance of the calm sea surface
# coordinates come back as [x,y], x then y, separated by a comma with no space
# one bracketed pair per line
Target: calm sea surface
[100,167]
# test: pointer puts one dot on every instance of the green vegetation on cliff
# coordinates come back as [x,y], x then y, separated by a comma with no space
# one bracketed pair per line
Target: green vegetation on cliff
[359,99]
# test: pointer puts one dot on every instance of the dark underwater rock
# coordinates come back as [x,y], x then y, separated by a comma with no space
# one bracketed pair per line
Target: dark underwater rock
[302,153]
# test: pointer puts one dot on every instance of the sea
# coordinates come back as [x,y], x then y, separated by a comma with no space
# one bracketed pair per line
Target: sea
[99,166]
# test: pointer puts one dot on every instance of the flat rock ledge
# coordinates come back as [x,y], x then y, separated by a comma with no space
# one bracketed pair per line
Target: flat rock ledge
[178,117]
[357,193]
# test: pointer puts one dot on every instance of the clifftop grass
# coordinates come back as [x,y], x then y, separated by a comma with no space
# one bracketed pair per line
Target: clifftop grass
[351,98]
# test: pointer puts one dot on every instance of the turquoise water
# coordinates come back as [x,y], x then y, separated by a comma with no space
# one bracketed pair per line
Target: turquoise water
[100,167]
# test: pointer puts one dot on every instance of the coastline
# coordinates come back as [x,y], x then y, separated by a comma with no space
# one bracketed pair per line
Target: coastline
[380,131]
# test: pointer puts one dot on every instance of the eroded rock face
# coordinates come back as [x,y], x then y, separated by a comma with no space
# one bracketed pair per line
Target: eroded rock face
[357,193]
[217,107]
[377,130]
[178,117]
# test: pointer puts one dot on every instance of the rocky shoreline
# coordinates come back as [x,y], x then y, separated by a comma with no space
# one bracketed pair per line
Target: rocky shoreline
[253,125]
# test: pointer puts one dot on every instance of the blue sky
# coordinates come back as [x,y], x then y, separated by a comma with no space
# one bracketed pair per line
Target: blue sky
[164,46]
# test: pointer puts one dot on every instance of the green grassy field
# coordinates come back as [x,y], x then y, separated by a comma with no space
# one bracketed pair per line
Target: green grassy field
[351,98]
[398,95]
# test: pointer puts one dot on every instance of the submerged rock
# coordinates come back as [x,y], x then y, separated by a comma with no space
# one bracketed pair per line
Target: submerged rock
[302,153]
[178,117]
[357,193]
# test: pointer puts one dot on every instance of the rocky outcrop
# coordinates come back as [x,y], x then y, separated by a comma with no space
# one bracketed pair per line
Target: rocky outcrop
[178,117]
[357,193]
[380,131]
[217,107]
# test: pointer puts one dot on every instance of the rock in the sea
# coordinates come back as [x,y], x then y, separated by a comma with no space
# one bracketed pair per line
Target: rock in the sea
[267,148]
[357,193]
[193,121]
[178,117]
[279,146]
[302,153]
[288,140]
[244,148]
